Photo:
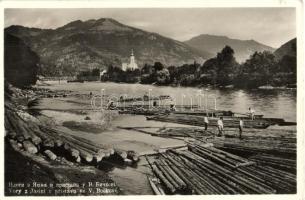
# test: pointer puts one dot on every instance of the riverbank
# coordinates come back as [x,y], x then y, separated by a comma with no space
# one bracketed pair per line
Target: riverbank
[33,166]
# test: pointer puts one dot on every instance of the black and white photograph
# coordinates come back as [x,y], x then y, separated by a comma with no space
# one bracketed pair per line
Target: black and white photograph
[150,101]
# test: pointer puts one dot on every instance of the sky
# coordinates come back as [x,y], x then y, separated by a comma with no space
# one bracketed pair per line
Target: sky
[270,26]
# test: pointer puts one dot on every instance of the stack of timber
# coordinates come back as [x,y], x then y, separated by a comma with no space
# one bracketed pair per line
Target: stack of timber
[204,169]
[27,133]
[209,113]
[166,110]
[285,147]
[199,121]
[286,164]
[145,98]
[278,142]
[146,112]
[151,107]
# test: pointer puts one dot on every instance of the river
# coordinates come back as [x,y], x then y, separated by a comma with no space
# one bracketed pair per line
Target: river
[270,103]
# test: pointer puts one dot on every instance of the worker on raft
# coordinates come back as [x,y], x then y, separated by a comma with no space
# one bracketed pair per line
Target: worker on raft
[251,112]
[241,126]
[220,126]
[206,122]
[172,107]
[110,105]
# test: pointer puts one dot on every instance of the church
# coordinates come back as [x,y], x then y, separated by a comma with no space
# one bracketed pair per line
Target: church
[132,65]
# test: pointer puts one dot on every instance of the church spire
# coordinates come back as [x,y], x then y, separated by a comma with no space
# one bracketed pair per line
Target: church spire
[131,52]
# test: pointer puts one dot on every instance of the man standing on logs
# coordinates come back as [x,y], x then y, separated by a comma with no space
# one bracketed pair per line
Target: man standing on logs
[241,125]
[220,126]
[206,123]
[251,112]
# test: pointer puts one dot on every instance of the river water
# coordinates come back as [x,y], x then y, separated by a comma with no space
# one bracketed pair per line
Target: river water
[270,103]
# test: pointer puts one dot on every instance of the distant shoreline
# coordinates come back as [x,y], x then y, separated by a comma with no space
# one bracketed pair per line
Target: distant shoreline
[263,87]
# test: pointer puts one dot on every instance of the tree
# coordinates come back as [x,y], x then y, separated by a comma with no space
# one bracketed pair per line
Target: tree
[158,66]
[258,70]
[220,70]
[162,77]
[147,69]
[226,66]
[288,64]
[95,72]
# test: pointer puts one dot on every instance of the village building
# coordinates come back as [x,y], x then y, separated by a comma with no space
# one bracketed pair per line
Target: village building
[132,65]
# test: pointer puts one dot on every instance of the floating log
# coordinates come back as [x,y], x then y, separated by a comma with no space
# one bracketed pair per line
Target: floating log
[50,154]
[128,161]
[14,144]
[48,144]
[121,153]
[157,190]
[163,179]
[29,147]
[134,156]
[179,181]
[11,134]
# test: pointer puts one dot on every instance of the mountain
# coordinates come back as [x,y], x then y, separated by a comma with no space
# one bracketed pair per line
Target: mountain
[214,44]
[82,45]
[20,62]
[289,48]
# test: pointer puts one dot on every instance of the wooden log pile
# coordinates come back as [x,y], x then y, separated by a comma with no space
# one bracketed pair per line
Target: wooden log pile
[203,169]
[199,121]
[275,162]
[278,146]
[31,136]
[212,131]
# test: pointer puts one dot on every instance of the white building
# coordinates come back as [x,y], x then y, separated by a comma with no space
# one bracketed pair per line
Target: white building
[132,65]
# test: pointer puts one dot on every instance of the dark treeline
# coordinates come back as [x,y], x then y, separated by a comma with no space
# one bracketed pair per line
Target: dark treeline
[260,69]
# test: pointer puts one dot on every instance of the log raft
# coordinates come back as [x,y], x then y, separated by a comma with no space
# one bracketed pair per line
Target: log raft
[199,121]
[204,169]
[30,136]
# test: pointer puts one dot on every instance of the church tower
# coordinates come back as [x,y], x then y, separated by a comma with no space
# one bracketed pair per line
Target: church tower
[132,65]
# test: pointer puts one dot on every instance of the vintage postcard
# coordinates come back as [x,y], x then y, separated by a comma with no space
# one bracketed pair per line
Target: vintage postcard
[103,98]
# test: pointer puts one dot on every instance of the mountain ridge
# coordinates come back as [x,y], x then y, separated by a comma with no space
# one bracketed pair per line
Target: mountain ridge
[80,45]
[97,43]
[214,43]
[288,48]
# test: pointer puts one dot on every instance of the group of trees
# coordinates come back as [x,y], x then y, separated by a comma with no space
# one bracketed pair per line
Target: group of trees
[261,68]
[93,72]
[116,74]
[156,74]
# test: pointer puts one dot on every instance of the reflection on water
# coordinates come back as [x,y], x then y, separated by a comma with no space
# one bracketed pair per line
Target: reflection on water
[270,103]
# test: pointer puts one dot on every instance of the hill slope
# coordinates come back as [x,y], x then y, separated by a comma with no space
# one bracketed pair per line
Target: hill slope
[20,62]
[289,48]
[81,45]
[213,44]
